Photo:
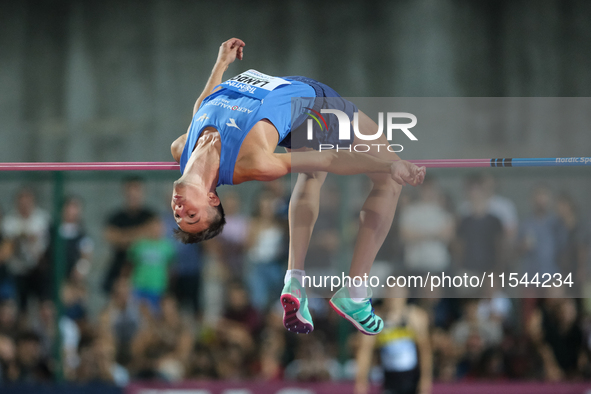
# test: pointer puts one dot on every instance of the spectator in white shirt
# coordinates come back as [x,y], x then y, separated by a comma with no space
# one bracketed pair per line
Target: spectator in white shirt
[426,229]
[27,228]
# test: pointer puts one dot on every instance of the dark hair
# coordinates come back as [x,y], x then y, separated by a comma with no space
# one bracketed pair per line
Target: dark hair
[86,341]
[24,190]
[133,179]
[27,336]
[70,199]
[475,179]
[214,229]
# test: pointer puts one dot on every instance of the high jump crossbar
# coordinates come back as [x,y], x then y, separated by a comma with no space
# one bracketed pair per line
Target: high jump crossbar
[169,166]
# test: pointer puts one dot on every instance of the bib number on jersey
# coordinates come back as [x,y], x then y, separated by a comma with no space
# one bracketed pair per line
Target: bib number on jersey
[254,84]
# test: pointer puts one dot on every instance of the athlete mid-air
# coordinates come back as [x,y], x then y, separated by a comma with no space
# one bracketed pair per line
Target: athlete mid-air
[232,138]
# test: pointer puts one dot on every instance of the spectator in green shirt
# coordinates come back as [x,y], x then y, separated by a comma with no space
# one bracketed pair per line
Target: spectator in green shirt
[150,259]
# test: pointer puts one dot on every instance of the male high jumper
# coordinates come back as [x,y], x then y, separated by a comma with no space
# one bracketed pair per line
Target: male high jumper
[232,139]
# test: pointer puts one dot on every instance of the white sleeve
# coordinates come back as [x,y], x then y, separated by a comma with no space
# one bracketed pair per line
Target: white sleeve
[10,227]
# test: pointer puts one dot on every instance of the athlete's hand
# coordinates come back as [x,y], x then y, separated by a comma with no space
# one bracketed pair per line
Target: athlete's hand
[230,50]
[404,172]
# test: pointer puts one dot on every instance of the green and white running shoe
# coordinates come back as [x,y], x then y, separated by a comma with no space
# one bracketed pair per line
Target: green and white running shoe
[296,316]
[361,314]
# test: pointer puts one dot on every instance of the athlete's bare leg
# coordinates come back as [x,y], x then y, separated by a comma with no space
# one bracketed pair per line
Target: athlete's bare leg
[377,213]
[375,218]
[303,212]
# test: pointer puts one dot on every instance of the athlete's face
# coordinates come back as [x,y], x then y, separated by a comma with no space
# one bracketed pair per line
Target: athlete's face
[191,207]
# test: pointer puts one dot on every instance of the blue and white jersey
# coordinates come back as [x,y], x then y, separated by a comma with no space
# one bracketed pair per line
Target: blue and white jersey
[238,106]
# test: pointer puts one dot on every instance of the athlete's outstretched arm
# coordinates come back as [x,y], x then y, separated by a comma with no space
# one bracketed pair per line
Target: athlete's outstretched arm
[340,163]
[229,51]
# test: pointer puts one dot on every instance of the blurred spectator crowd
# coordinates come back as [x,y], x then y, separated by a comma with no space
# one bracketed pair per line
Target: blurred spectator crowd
[211,311]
